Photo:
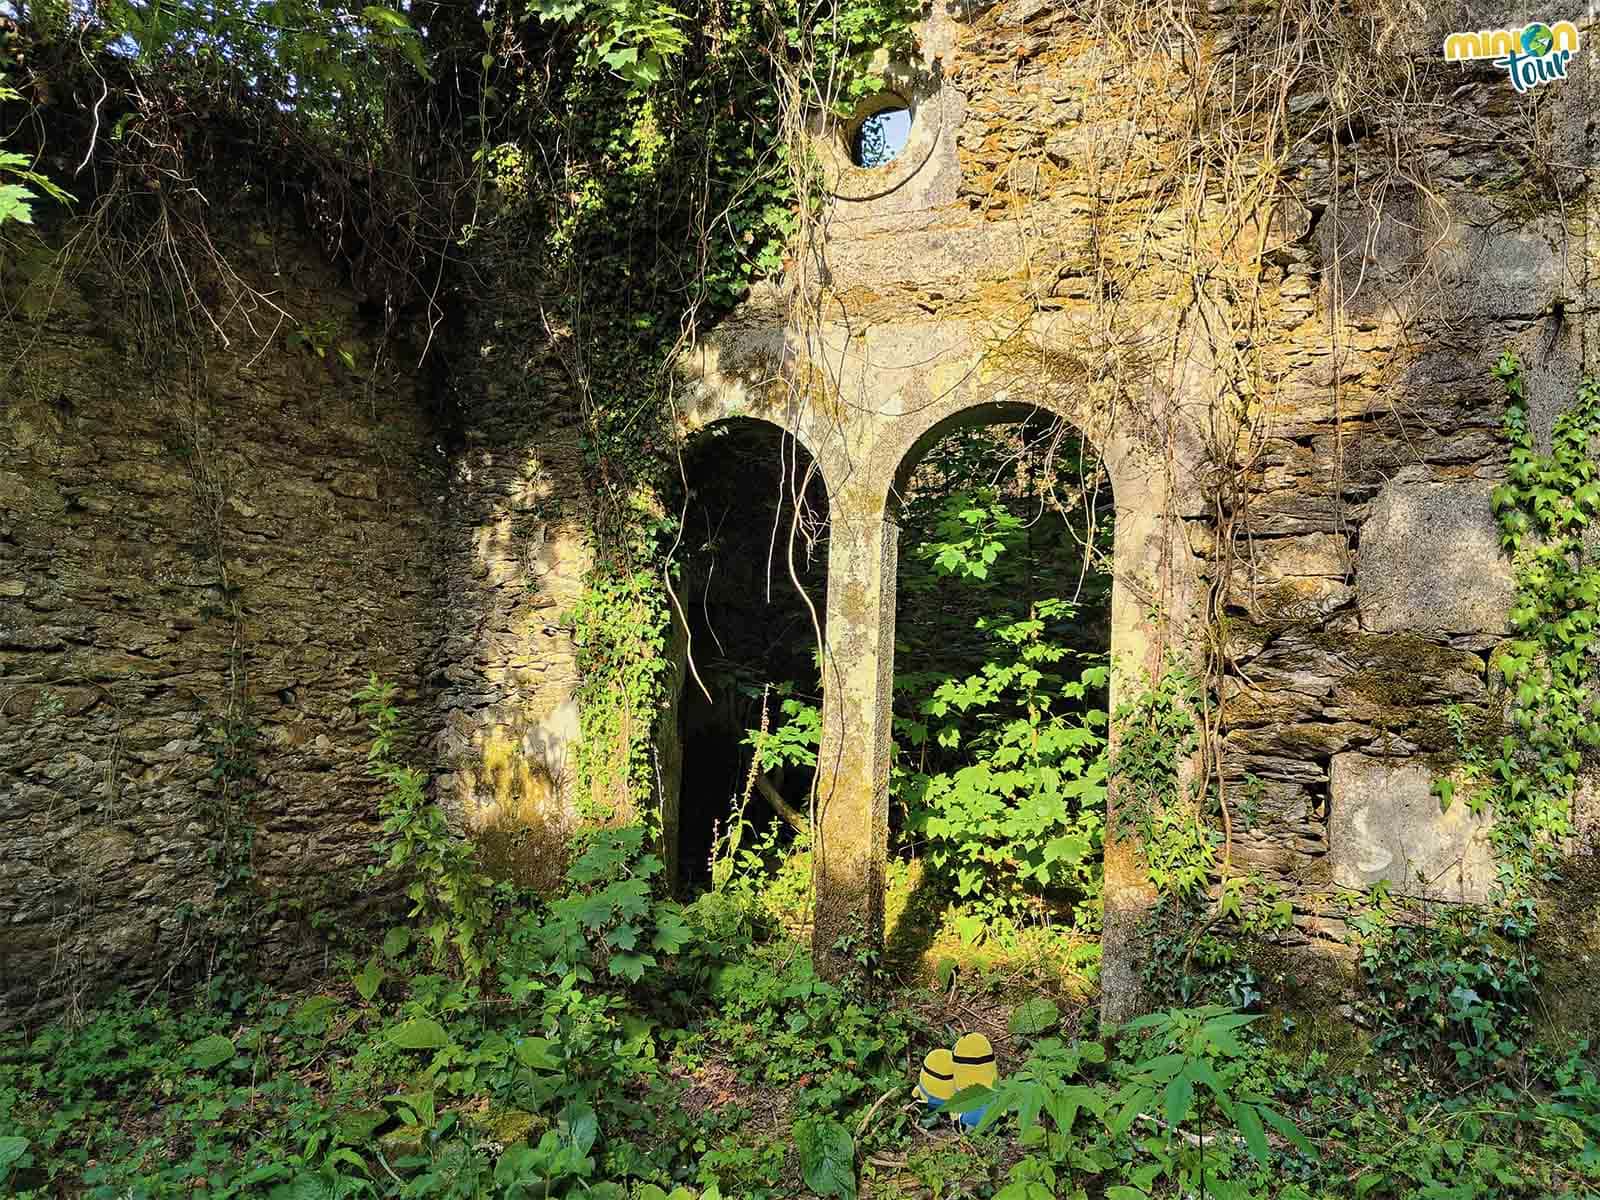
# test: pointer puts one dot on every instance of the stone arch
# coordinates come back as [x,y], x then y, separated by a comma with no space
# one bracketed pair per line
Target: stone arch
[701,427]
[852,827]
[1137,486]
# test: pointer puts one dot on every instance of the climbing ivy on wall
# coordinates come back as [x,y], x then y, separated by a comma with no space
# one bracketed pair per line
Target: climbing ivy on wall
[686,180]
[1545,508]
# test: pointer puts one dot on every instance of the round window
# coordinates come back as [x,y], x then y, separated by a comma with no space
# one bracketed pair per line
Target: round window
[882,136]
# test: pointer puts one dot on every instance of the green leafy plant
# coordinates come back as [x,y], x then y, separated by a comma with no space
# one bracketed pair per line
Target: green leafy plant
[827,1156]
[1455,989]
[1177,1094]
[1024,815]
[1157,736]
[1545,508]
[609,924]
[20,184]
[443,880]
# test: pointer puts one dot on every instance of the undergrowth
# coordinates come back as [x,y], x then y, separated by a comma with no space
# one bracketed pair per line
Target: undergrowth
[607,1042]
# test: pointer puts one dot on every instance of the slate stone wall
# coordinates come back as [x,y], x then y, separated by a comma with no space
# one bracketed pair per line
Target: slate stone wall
[1366,591]
[149,489]
[151,485]
[518,547]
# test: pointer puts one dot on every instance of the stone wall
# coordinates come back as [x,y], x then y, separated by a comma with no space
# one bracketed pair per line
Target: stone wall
[1061,230]
[518,547]
[193,532]
[258,521]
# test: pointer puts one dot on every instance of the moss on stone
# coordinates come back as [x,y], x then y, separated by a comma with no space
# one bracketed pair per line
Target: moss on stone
[1567,945]
[508,1125]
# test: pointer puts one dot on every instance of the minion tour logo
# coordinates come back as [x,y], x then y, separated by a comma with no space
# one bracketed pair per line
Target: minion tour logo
[1534,55]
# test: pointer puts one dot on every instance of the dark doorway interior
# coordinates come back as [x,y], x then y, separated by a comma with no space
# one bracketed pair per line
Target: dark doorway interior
[755,522]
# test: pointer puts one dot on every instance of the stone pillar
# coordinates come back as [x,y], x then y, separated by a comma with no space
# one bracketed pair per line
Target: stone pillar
[852,792]
[1128,898]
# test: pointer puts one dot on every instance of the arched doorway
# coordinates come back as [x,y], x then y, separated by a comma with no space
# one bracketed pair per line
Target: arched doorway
[749,582]
[1001,679]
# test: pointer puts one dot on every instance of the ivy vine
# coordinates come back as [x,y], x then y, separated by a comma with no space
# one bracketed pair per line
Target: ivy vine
[1545,508]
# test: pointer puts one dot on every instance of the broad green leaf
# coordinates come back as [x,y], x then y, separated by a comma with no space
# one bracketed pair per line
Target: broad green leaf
[313,1015]
[12,1149]
[1033,1017]
[358,1126]
[1287,1128]
[211,1051]
[827,1156]
[419,1033]
[1179,1100]
[535,1053]
[397,941]
[582,1125]
[369,979]
[1255,1137]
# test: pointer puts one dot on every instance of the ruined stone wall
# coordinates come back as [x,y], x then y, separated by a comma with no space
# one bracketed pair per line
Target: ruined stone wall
[518,547]
[1060,232]
[193,533]
[1370,588]
[1067,227]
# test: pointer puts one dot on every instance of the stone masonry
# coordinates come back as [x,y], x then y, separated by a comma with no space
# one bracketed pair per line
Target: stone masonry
[1290,391]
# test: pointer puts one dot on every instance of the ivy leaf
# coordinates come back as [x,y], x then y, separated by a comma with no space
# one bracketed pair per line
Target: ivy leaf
[1445,789]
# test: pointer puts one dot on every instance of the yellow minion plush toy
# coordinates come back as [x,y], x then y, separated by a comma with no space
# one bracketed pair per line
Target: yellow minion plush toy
[937,1084]
[973,1063]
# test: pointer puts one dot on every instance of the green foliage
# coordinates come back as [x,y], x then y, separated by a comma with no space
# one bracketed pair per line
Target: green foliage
[1157,736]
[1084,1115]
[1024,814]
[325,58]
[750,1078]
[972,530]
[1545,508]
[794,742]
[620,629]
[1203,953]
[448,892]
[634,38]
[827,1157]
[608,924]
[1456,992]
[19,181]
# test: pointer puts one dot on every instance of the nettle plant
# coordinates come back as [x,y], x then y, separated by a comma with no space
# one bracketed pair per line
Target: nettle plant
[608,924]
[1175,1104]
[448,891]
